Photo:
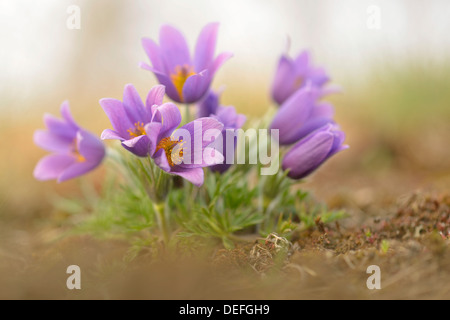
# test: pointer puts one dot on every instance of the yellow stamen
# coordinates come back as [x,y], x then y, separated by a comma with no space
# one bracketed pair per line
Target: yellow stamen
[138,130]
[77,153]
[180,76]
[168,144]
[79,157]
[298,82]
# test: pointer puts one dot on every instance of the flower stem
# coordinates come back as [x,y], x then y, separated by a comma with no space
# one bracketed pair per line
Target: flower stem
[187,113]
[151,169]
[162,223]
[158,183]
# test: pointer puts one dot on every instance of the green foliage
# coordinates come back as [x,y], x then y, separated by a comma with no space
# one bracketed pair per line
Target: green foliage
[225,207]
[142,204]
[310,211]
[385,245]
[122,208]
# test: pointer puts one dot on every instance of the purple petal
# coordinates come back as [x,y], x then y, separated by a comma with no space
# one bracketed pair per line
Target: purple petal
[90,147]
[165,80]
[219,61]
[283,80]
[155,96]
[174,48]
[65,112]
[230,118]
[193,152]
[205,47]
[109,134]
[140,146]
[324,110]
[154,54]
[134,106]
[209,105]
[198,127]
[308,154]
[304,68]
[339,149]
[310,126]
[52,142]
[145,66]
[51,166]
[161,160]
[321,115]
[339,138]
[332,89]
[194,176]
[59,127]
[318,76]
[196,86]
[75,170]
[292,75]
[293,114]
[210,156]
[153,130]
[302,63]
[117,116]
[227,149]
[169,116]
[241,119]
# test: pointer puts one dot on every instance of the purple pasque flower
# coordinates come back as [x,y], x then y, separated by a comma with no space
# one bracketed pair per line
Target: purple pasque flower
[312,151]
[186,78]
[75,151]
[231,120]
[184,151]
[293,74]
[129,118]
[209,105]
[301,114]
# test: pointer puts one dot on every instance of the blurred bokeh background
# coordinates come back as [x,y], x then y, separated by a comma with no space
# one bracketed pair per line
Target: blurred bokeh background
[395,75]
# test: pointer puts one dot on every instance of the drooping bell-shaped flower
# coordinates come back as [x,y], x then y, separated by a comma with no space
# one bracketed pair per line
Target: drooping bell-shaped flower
[312,151]
[293,74]
[301,114]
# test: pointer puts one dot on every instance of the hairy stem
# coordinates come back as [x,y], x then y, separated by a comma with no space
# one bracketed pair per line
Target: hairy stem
[151,168]
[187,113]
[162,223]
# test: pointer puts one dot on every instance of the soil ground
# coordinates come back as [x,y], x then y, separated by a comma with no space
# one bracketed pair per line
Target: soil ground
[407,236]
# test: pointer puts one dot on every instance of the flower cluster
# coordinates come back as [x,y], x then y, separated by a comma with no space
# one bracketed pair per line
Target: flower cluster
[155,129]
[164,153]
[303,120]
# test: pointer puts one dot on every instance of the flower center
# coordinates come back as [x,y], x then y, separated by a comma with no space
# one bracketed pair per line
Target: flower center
[180,76]
[138,130]
[79,157]
[298,82]
[76,153]
[173,157]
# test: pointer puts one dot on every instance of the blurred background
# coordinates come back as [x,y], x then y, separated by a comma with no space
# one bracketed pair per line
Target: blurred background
[394,71]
